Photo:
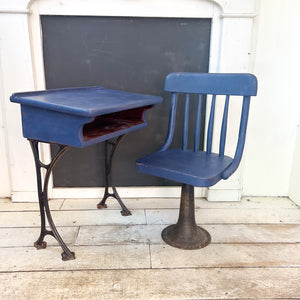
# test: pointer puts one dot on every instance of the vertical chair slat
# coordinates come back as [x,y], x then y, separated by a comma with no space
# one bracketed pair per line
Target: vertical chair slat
[241,139]
[211,125]
[198,124]
[224,127]
[185,123]
[171,122]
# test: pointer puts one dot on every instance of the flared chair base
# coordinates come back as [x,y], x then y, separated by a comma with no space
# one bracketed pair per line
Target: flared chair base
[186,234]
[186,238]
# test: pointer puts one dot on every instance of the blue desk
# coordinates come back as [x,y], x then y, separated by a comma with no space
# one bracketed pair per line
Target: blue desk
[78,117]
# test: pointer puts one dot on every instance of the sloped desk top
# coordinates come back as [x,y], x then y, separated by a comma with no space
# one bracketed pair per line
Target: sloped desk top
[81,116]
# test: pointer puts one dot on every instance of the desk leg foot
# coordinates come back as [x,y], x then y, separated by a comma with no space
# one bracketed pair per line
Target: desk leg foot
[101,206]
[40,245]
[43,199]
[65,256]
[125,213]
[108,178]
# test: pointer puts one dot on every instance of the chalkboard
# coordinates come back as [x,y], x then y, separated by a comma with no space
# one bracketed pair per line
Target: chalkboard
[129,54]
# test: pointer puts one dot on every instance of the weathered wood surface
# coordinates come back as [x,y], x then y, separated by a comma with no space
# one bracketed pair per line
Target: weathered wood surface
[221,233]
[7,205]
[228,255]
[150,234]
[161,216]
[71,218]
[87,258]
[162,256]
[153,203]
[228,216]
[24,237]
[200,283]
[255,252]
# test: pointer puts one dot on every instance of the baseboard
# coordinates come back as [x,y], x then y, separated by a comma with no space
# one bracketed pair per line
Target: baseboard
[129,192]
[97,193]
[224,195]
[124,192]
[30,196]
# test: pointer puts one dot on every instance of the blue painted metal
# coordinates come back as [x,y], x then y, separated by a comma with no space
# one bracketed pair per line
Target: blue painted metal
[67,116]
[202,168]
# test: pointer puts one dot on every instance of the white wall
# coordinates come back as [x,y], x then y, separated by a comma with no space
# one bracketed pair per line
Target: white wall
[16,75]
[275,111]
[5,188]
[271,155]
[294,191]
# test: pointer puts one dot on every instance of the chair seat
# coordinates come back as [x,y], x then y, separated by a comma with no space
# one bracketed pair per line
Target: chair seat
[194,168]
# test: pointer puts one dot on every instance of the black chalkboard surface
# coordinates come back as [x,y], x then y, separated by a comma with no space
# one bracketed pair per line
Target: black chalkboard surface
[124,53]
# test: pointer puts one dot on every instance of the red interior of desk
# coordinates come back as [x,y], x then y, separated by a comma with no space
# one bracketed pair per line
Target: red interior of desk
[113,122]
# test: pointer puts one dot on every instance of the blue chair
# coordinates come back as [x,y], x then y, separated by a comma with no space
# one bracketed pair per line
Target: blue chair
[194,167]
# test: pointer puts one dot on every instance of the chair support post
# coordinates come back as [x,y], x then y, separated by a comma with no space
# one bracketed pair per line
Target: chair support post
[186,234]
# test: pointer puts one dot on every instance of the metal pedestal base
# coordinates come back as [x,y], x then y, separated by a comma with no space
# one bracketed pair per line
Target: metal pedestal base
[108,178]
[186,234]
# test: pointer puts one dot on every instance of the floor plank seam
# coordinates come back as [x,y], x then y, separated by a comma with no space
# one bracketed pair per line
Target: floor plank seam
[62,204]
[149,269]
[77,234]
[158,243]
[242,298]
[149,247]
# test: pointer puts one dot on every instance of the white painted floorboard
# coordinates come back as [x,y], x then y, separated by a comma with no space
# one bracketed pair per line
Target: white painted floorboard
[25,237]
[228,216]
[154,203]
[220,233]
[71,218]
[254,254]
[87,258]
[159,284]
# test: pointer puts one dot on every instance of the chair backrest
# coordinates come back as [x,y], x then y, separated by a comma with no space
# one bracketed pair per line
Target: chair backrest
[214,84]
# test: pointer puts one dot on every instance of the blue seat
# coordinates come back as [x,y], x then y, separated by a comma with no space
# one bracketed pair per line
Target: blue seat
[195,167]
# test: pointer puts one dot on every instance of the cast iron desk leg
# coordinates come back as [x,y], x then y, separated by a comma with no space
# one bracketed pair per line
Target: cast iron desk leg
[108,178]
[43,200]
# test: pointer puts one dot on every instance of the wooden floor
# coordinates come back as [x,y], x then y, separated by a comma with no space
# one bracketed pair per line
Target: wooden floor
[254,254]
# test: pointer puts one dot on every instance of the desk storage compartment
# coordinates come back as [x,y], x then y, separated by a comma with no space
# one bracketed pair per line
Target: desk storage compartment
[114,122]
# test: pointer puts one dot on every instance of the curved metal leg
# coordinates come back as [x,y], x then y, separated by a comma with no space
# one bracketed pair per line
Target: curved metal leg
[43,200]
[186,234]
[108,178]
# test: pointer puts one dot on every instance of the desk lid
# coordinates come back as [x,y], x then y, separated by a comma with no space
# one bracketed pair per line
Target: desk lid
[84,101]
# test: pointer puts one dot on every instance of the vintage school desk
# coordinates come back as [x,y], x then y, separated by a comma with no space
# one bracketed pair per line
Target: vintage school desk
[78,117]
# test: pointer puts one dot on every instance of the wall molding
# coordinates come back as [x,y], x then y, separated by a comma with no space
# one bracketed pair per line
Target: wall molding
[15,11]
[240,16]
